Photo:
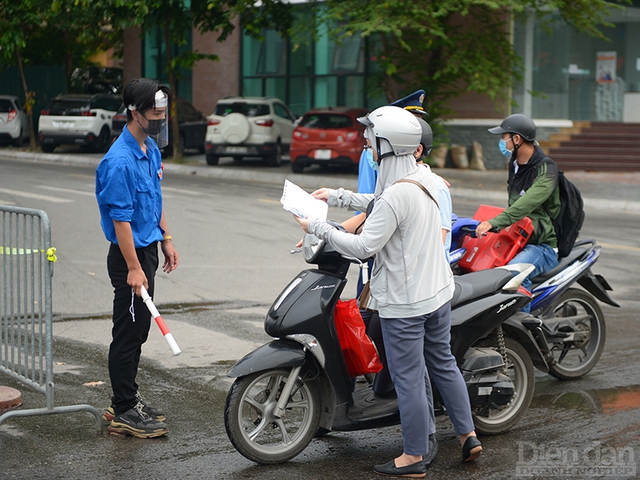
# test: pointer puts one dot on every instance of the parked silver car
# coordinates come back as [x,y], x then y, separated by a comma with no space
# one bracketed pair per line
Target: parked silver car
[14,125]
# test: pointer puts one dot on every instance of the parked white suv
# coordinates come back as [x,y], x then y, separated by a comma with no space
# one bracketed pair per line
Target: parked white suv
[14,126]
[249,127]
[83,120]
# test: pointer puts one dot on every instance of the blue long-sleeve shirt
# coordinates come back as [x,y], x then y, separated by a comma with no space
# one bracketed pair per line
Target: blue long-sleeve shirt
[128,189]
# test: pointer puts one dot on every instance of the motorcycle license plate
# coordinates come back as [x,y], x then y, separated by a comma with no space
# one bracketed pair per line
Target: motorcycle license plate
[322,155]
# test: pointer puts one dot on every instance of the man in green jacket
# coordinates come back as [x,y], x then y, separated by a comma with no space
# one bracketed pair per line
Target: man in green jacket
[533,192]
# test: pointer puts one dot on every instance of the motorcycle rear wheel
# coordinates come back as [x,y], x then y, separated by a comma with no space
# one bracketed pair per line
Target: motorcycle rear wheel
[520,370]
[576,360]
[253,428]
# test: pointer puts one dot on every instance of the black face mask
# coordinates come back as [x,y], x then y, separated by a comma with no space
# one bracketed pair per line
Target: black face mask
[154,127]
[156,130]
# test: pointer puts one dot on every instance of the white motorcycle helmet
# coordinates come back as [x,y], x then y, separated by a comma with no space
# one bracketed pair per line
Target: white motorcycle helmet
[392,131]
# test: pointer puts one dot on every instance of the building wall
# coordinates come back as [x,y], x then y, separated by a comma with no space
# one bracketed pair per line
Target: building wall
[215,80]
[474,105]
[131,55]
[466,132]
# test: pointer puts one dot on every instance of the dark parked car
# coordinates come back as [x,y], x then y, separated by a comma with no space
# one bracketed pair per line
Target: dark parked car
[328,136]
[191,123]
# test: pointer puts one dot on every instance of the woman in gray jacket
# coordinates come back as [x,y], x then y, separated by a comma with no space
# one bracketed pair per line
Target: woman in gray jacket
[411,283]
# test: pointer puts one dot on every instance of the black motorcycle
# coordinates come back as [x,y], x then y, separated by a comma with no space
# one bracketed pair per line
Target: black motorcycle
[297,386]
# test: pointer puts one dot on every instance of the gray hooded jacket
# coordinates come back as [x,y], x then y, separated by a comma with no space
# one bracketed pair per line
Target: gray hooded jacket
[410,275]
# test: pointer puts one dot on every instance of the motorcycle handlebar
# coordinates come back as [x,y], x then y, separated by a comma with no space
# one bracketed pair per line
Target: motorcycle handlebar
[472,230]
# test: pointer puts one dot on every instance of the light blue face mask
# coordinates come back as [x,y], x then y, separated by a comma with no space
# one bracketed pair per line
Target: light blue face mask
[503,148]
[372,162]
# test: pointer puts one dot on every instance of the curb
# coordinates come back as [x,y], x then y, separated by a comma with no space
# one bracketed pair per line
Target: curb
[307,181]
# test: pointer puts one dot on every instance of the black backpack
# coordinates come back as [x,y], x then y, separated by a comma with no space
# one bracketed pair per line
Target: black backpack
[571,217]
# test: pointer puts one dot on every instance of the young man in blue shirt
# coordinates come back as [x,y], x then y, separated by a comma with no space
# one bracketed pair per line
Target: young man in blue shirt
[132,219]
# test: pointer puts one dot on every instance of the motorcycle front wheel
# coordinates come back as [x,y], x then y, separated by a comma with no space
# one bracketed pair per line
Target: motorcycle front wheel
[253,428]
[576,359]
[520,371]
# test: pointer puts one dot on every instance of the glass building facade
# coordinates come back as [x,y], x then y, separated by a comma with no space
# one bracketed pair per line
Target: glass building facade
[306,75]
[571,75]
[566,76]
[154,61]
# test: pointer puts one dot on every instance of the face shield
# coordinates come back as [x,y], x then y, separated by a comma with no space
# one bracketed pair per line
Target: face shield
[157,129]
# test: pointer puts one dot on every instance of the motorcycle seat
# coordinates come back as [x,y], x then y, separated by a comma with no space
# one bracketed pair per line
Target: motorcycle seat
[479,284]
[576,253]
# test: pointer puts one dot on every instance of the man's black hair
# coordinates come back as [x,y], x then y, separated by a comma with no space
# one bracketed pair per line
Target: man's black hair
[141,93]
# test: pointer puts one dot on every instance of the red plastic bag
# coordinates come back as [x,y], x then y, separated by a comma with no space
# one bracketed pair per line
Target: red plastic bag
[359,352]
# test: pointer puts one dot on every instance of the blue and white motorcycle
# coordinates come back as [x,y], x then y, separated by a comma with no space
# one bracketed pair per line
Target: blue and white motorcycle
[568,324]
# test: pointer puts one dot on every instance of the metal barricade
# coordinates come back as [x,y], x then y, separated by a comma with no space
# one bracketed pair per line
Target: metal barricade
[26,323]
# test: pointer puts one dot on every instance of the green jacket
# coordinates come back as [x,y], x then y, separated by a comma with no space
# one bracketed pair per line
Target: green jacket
[533,191]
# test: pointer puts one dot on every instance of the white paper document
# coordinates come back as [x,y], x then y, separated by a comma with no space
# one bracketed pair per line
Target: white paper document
[302,204]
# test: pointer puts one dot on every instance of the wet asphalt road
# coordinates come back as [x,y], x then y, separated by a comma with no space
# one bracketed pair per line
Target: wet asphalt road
[598,412]
[596,418]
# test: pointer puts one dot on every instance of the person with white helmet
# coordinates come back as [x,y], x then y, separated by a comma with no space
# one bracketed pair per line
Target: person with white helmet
[382,385]
[411,283]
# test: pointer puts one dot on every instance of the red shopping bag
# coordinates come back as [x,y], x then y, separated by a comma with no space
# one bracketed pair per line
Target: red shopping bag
[359,352]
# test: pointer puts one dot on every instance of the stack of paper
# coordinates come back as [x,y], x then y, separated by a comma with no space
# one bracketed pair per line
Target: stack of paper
[302,204]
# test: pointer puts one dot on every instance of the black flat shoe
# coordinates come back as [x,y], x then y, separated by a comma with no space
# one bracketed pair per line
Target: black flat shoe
[433,451]
[471,449]
[415,470]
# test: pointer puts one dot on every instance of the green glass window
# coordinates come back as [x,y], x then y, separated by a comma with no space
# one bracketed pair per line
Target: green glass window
[273,54]
[312,72]
[299,95]
[276,87]
[252,87]
[561,68]
[155,62]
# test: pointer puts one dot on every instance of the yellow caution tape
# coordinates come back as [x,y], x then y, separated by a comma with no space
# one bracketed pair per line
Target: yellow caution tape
[51,252]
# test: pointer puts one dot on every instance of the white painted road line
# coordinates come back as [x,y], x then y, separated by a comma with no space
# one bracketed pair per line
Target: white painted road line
[35,196]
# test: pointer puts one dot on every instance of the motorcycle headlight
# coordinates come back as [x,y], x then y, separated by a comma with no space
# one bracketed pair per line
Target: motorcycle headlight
[286,293]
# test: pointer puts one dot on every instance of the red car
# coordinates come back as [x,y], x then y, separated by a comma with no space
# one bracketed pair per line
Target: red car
[328,136]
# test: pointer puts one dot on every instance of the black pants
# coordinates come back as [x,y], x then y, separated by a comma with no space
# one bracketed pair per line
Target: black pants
[131,322]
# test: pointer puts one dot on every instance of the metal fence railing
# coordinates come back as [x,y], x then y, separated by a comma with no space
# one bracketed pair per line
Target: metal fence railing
[26,323]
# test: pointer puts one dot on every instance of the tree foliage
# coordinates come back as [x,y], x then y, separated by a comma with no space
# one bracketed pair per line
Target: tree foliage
[68,32]
[45,32]
[450,47]
[18,20]
[177,18]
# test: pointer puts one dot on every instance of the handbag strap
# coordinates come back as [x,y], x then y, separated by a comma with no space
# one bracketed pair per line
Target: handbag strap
[408,180]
